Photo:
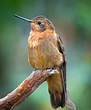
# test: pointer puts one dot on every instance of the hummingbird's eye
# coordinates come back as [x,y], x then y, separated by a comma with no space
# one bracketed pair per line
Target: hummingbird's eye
[39,22]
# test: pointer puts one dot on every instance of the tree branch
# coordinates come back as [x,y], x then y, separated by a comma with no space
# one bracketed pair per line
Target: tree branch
[28,86]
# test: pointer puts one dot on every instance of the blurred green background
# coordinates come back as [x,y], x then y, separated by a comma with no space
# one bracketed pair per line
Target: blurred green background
[72,19]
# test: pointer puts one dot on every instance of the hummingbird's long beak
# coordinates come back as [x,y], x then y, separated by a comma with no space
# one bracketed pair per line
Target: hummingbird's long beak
[25,19]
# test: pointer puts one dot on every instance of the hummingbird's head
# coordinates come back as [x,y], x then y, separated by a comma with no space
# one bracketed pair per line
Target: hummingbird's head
[39,23]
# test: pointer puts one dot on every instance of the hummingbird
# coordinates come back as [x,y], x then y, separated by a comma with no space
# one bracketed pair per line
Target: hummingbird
[46,50]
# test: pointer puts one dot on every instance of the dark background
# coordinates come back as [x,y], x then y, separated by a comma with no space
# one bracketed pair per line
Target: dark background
[72,19]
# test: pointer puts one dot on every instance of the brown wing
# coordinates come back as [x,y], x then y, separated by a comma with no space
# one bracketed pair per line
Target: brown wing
[63,66]
[57,83]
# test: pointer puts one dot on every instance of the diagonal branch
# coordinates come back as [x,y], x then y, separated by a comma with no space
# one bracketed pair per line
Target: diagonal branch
[25,89]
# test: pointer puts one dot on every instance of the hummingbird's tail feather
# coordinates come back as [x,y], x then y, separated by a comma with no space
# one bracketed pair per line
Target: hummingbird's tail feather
[57,100]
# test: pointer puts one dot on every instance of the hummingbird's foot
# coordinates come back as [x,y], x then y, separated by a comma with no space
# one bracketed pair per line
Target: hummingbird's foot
[48,68]
[52,70]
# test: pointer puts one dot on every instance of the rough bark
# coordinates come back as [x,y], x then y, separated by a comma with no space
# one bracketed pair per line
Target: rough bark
[28,86]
